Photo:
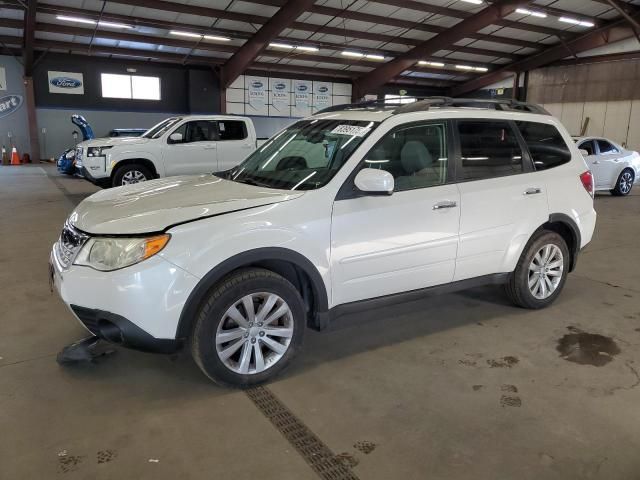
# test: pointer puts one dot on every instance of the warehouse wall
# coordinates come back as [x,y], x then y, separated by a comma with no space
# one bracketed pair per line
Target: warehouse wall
[15,123]
[606,93]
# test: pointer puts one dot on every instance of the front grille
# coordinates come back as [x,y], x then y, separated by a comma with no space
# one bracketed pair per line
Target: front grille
[69,244]
[79,156]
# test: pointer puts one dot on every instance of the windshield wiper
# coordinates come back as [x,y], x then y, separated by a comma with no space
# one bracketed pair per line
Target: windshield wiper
[250,181]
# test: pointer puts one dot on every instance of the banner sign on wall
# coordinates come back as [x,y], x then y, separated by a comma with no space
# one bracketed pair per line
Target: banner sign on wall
[280,96]
[257,91]
[3,78]
[9,104]
[302,98]
[321,95]
[66,82]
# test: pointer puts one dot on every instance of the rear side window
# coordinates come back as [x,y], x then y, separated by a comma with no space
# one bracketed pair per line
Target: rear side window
[546,146]
[588,146]
[605,147]
[232,130]
[488,149]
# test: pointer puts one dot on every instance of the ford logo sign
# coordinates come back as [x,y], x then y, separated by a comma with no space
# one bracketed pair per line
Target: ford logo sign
[65,82]
[9,104]
[256,84]
[280,86]
[302,88]
[323,89]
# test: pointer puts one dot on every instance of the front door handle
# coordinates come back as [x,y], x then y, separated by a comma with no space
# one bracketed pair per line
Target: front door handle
[445,204]
[533,191]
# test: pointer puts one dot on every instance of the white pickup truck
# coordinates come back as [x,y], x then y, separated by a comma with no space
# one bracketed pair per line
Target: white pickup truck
[180,145]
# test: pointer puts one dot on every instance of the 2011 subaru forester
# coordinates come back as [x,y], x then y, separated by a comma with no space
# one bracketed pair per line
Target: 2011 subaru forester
[352,207]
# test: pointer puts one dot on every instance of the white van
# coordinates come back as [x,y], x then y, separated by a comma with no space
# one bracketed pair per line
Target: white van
[176,146]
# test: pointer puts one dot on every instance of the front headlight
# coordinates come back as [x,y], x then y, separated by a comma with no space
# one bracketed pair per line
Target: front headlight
[97,151]
[106,254]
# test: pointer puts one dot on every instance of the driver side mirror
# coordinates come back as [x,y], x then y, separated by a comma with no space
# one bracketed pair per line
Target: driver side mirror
[584,152]
[175,138]
[374,181]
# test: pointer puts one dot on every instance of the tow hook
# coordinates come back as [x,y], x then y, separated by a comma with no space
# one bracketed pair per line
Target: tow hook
[86,350]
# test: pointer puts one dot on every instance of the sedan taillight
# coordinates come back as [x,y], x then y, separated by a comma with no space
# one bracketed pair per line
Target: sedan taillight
[587,182]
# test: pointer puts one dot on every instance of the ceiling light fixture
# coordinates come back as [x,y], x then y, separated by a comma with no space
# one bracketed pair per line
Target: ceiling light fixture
[574,21]
[280,45]
[200,36]
[371,56]
[92,22]
[464,67]
[303,48]
[348,53]
[475,2]
[526,11]
[431,64]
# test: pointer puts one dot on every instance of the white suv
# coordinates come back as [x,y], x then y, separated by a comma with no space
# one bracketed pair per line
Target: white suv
[350,208]
[176,146]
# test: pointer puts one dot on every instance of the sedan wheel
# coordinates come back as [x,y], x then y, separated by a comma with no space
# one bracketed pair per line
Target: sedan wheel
[626,182]
[255,333]
[545,271]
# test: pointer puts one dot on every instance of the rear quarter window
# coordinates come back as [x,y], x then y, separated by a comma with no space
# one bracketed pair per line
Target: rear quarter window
[546,146]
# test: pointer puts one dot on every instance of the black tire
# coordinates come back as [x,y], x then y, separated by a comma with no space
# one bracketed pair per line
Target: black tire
[131,169]
[517,288]
[223,296]
[624,183]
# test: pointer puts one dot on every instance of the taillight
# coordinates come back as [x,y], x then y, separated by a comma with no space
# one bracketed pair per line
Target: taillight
[587,181]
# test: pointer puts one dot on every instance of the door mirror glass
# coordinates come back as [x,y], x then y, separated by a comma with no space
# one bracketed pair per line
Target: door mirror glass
[175,138]
[374,181]
[585,153]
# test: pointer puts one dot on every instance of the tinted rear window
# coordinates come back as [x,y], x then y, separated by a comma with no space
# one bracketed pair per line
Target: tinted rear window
[547,147]
[488,149]
[232,130]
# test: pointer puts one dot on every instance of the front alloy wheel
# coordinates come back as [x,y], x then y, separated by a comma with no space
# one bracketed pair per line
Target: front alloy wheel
[249,328]
[254,333]
[133,176]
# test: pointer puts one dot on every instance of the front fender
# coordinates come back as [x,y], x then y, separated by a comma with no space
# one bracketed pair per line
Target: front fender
[114,158]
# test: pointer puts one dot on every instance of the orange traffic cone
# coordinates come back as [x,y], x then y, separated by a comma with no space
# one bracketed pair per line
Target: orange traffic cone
[15,158]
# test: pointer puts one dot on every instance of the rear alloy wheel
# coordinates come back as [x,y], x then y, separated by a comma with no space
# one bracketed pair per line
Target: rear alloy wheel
[624,183]
[541,271]
[249,328]
[130,175]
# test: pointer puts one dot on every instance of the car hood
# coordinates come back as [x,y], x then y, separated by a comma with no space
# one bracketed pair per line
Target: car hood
[114,142]
[153,206]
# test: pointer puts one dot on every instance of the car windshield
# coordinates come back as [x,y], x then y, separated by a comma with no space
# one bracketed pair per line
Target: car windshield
[161,128]
[304,156]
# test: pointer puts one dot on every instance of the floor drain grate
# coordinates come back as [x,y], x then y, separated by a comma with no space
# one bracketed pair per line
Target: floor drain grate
[325,463]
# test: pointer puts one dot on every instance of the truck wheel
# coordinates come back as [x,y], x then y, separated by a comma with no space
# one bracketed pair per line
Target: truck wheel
[249,328]
[130,174]
[541,271]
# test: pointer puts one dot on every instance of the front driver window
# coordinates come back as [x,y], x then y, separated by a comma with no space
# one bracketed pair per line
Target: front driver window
[197,131]
[416,156]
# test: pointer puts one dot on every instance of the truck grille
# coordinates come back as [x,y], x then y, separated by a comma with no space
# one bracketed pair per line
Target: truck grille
[69,244]
[79,152]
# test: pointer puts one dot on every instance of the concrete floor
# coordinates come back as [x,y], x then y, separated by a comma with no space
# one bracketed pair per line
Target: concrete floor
[460,386]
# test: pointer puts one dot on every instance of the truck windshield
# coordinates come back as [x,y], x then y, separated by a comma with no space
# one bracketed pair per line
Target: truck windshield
[304,156]
[161,128]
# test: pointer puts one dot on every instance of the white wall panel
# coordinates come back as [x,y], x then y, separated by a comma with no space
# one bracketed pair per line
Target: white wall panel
[616,123]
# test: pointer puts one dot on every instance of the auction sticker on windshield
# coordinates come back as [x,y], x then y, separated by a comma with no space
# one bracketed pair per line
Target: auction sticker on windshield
[352,130]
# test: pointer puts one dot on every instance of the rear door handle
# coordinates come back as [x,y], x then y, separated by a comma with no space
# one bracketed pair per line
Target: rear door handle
[533,191]
[445,204]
